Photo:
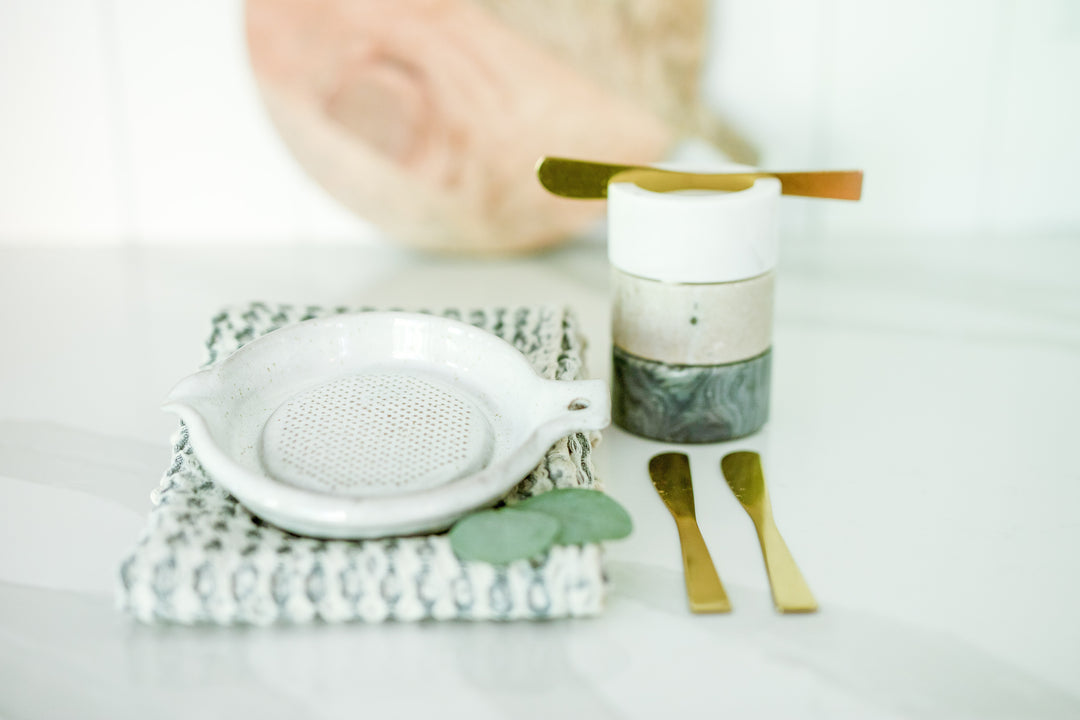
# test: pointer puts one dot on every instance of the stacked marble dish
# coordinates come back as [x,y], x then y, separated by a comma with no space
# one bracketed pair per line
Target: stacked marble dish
[692,278]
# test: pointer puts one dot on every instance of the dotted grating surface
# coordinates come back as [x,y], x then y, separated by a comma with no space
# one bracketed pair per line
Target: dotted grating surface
[375,434]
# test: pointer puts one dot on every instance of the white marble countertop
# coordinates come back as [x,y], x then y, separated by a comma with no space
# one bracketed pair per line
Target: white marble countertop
[921,458]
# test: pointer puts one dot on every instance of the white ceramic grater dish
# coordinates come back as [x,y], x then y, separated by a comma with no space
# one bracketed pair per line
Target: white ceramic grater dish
[377,423]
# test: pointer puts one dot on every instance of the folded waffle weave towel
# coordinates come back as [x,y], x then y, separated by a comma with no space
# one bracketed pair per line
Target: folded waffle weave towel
[204,559]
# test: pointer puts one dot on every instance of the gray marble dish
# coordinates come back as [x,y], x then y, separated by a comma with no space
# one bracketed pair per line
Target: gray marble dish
[690,403]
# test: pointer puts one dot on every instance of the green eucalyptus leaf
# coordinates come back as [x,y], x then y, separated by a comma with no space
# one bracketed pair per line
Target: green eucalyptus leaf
[502,536]
[584,515]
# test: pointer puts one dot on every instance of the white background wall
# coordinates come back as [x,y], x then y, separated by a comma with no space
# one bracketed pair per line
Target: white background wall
[964,113]
[137,121]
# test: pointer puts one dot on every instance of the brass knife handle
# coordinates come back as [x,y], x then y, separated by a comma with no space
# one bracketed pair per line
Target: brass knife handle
[835,184]
[703,587]
[790,592]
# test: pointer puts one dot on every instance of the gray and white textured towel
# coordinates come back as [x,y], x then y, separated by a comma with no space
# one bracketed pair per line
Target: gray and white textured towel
[203,558]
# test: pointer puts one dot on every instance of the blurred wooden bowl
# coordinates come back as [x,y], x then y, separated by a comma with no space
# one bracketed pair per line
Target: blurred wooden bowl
[426,117]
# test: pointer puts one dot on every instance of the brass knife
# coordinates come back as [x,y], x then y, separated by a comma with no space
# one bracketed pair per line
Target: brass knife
[584,179]
[790,593]
[670,473]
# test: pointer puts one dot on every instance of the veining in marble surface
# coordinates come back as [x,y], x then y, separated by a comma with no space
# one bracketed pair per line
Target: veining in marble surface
[690,403]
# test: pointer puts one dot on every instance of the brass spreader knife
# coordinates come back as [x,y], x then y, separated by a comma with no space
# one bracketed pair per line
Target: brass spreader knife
[742,470]
[584,180]
[670,473]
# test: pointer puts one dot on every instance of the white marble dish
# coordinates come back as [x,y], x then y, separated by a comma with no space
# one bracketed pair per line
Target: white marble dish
[377,424]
